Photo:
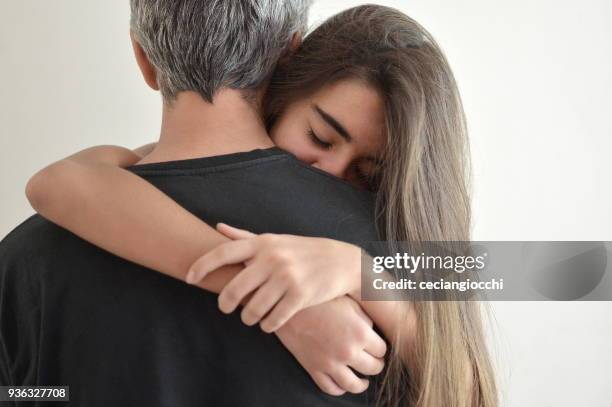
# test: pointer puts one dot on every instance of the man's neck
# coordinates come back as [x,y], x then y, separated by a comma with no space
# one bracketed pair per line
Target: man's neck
[194,128]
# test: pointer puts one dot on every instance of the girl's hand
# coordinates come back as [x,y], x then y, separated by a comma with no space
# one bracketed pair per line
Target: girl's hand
[335,342]
[284,273]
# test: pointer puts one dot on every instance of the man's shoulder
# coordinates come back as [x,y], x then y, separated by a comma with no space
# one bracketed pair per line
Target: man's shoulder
[267,191]
[24,254]
[267,169]
[23,237]
[29,233]
[36,239]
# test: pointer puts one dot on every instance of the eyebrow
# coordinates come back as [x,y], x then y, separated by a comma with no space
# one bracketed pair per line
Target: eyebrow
[332,122]
[341,130]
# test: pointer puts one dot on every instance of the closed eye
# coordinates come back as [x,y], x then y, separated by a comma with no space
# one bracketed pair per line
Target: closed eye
[315,139]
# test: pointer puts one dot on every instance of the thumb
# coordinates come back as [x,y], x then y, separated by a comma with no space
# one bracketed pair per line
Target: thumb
[234,233]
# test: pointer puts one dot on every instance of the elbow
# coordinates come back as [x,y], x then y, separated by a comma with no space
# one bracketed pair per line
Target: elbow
[34,191]
[43,188]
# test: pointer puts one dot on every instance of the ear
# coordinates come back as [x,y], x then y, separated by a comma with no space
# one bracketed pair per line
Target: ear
[147,69]
[295,43]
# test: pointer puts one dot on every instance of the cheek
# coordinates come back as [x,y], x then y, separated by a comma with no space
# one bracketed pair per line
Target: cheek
[293,137]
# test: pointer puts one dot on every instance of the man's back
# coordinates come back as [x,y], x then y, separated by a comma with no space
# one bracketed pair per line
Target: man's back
[117,333]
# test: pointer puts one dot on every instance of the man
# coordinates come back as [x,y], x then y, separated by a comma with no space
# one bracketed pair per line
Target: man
[119,334]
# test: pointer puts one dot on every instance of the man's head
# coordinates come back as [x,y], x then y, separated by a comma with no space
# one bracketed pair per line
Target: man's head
[205,45]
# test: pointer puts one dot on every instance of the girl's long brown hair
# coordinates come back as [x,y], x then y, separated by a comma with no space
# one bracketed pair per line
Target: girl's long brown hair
[423,190]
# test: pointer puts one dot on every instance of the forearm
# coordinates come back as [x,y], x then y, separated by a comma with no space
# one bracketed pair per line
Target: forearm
[89,194]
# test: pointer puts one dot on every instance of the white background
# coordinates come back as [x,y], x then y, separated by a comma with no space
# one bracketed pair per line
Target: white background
[536,82]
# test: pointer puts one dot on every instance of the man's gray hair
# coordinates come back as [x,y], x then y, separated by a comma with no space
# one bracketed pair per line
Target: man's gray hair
[205,45]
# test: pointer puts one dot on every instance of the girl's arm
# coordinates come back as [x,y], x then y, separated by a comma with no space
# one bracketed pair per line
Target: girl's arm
[90,195]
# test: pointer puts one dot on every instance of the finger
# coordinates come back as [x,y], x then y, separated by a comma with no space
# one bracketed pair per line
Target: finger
[367,364]
[245,282]
[375,345]
[287,307]
[237,251]
[326,384]
[264,299]
[234,233]
[348,380]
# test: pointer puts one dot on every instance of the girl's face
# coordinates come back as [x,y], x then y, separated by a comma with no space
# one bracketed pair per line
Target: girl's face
[339,129]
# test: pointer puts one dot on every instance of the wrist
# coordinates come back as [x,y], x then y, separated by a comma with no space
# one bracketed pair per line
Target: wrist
[354,268]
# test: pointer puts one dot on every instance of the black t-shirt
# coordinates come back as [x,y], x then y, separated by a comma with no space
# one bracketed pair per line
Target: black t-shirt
[119,334]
